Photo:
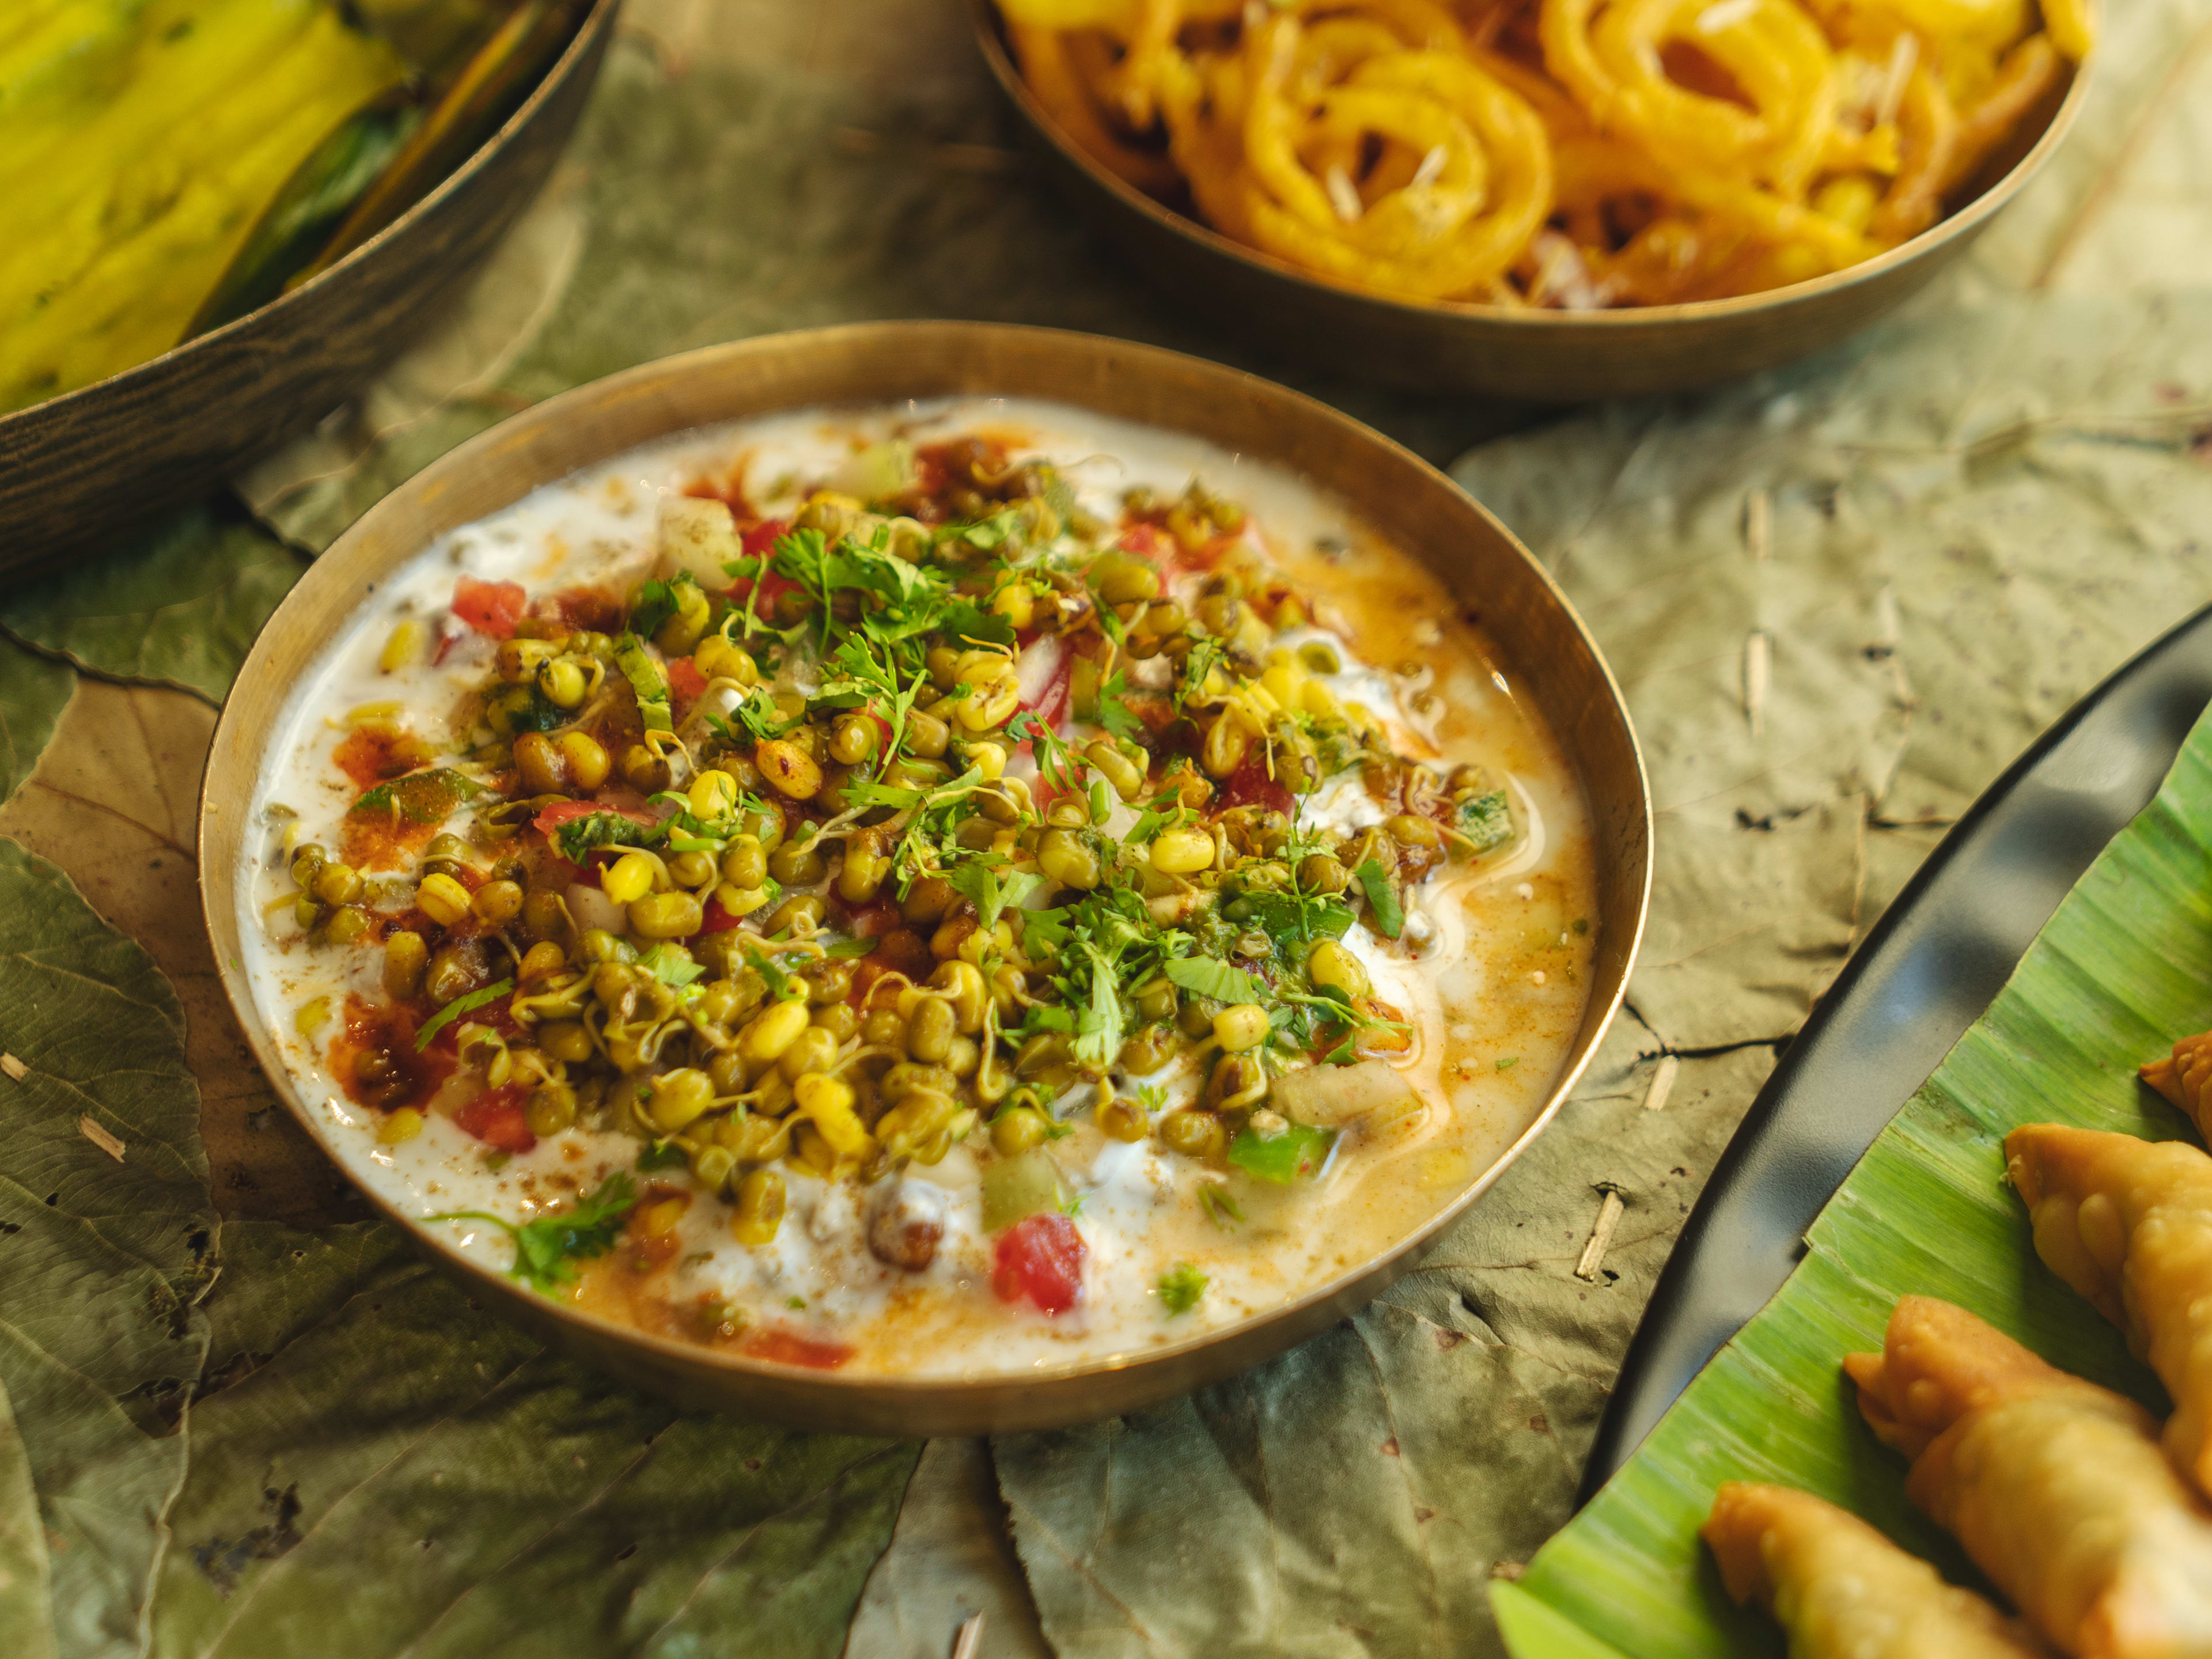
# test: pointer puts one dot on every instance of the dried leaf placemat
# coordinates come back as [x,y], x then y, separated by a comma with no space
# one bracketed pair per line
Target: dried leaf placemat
[1938,536]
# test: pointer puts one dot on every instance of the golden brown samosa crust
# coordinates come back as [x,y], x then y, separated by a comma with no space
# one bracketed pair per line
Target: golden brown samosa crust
[2057,1487]
[1841,1590]
[2185,1077]
[2128,1222]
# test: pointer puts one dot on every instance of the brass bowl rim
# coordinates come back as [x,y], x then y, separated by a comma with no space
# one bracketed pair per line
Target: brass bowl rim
[596,22]
[218,879]
[986,18]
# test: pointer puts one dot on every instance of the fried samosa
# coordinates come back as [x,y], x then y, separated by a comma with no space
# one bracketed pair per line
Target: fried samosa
[2128,1222]
[2057,1487]
[2185,1077]
[1841,1588]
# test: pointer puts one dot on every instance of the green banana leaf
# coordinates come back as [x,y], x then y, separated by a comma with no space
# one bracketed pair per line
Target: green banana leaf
[2123,968]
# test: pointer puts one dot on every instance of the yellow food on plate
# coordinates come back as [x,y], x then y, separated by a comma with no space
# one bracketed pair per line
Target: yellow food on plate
[2185,1077]
[2057,1487]
[139,145]
[2128,1222]
[1565,154]
[1840,1588]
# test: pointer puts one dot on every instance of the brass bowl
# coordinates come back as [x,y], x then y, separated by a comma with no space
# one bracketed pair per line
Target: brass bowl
[874,364]
[1530,356]
[93,461]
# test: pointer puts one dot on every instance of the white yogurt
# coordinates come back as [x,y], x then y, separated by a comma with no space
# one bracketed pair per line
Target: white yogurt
[1491,970]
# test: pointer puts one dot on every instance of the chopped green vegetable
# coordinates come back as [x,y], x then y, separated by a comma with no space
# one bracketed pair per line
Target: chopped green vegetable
[662,1155]
[1486,820]
[1014,1188]
[546,1249]
[1298,1150]
[459,1006]
[1180,1288]
[646,679]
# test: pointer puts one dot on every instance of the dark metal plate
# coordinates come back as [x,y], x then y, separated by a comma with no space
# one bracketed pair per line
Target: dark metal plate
[1931,966]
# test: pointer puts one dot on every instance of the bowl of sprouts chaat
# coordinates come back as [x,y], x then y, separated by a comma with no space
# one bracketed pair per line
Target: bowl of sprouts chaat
[926,877]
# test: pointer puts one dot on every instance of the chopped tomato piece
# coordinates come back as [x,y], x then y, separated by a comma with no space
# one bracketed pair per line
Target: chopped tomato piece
[1250,785]
[491,608]
[762,537]
[1040,1257]
[789,1348]
[717,920]
[495,1117]
[1146,541]
[684,679]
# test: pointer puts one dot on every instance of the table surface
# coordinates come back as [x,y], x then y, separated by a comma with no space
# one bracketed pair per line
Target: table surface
[1840,597]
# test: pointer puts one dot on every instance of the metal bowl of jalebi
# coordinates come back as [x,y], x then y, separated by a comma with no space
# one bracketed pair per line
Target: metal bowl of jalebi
[1547,200]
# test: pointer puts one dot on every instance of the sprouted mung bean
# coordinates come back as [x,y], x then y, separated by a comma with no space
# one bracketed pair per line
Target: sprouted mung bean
[946,891]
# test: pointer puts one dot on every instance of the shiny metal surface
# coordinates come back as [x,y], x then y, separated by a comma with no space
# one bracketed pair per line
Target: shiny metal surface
[1536,633]
[97,460]
[1533,355]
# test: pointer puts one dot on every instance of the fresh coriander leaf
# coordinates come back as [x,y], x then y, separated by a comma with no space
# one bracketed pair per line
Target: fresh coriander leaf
[845,950]
[657,601]
[965,620]
[662,1155]
[1345,1053]
[545,1250]
[1151,1096]
[1292,916]
[1220,1206]
[1205,657]
[671,964]
[1381,899]
[459,1006]
[1508,1062]
[540,714]
[1180,1288]
[1100,1030]
[580,837]
[1044,931]
[782,987]
[1204,976]
[1281,1158]
[978,883]
[1114,713]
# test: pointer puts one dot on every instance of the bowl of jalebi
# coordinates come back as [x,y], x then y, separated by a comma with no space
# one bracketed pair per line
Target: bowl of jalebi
[223,216]
[1552,200]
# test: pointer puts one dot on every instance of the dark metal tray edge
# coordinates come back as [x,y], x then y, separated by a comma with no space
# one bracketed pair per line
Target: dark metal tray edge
[1926,972]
